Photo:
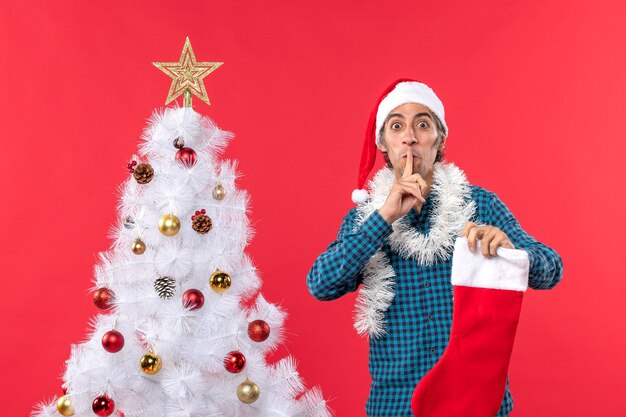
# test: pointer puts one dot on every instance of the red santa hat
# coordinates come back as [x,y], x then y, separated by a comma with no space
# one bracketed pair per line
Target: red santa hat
[402,91]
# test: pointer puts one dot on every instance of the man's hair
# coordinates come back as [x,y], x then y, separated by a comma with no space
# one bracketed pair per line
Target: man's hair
[440,134]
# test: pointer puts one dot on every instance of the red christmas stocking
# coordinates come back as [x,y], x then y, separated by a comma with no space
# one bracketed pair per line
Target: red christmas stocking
[470,378]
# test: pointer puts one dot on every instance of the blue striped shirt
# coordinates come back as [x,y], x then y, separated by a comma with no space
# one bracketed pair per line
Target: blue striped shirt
[419,318]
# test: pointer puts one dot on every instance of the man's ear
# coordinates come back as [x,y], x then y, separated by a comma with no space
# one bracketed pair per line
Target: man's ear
[381,146]
[443,143]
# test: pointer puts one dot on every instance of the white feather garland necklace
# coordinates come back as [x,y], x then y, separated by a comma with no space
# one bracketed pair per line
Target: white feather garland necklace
[452,209]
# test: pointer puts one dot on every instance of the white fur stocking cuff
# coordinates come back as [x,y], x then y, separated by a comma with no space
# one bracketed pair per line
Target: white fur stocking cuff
[508,270]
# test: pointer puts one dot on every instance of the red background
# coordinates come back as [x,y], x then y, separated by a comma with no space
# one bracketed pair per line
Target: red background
[534,96]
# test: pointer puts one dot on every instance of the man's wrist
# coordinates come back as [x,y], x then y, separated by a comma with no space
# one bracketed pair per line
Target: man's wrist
[386,216]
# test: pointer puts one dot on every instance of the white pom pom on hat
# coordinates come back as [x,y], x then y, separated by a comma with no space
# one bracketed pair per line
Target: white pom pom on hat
[401,91]
[359,196]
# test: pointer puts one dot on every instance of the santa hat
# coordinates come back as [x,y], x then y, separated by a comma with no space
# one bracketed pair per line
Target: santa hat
[402,91]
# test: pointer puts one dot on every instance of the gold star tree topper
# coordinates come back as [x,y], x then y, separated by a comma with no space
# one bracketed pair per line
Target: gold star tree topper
[187,75]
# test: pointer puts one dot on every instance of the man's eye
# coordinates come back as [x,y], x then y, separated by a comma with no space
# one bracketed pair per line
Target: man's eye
[395,125]
[423,125]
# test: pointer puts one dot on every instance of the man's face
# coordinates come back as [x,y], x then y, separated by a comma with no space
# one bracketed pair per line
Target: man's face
[411,126]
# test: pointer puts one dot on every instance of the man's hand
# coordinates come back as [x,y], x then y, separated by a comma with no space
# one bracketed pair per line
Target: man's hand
[490,236]
[404,194]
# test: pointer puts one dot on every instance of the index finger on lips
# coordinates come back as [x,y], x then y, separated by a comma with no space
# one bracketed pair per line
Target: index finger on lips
[408,168]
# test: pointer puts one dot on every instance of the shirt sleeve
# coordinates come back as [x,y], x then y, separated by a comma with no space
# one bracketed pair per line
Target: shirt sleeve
[338,270]
[546,266]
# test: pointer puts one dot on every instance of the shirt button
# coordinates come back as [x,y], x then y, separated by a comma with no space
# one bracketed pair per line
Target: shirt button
[433,351]
[429,317]
[427,284]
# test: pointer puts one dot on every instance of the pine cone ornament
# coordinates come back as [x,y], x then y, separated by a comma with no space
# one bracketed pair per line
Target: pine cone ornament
[165,287]
[201,222]
[143,173]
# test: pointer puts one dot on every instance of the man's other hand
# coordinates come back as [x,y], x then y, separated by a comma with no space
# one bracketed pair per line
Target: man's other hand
[490,236]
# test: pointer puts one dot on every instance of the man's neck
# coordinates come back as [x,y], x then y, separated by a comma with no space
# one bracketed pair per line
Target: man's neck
[429,181]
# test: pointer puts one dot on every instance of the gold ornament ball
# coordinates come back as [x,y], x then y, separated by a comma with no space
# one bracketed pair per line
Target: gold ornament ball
[219,192]
[150,363]
[138,247]
[248,392]
[169,224]
[220,281]
[64,406]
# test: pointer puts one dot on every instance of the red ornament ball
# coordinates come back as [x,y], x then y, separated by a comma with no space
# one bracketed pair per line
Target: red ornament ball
[234,362]
[186,156]
[103,406]
[258,330]
[113,341]
[193,299]
[103,298]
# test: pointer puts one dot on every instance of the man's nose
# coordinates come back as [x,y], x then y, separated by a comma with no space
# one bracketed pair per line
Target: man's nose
[409,137]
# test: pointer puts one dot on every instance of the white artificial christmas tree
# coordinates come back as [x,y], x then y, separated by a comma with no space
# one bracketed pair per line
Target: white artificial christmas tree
[176,338]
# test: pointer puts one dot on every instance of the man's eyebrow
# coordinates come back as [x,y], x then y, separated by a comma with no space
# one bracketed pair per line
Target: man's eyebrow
[416,116]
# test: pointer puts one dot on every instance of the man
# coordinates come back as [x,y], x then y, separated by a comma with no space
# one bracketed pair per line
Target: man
[399,240]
